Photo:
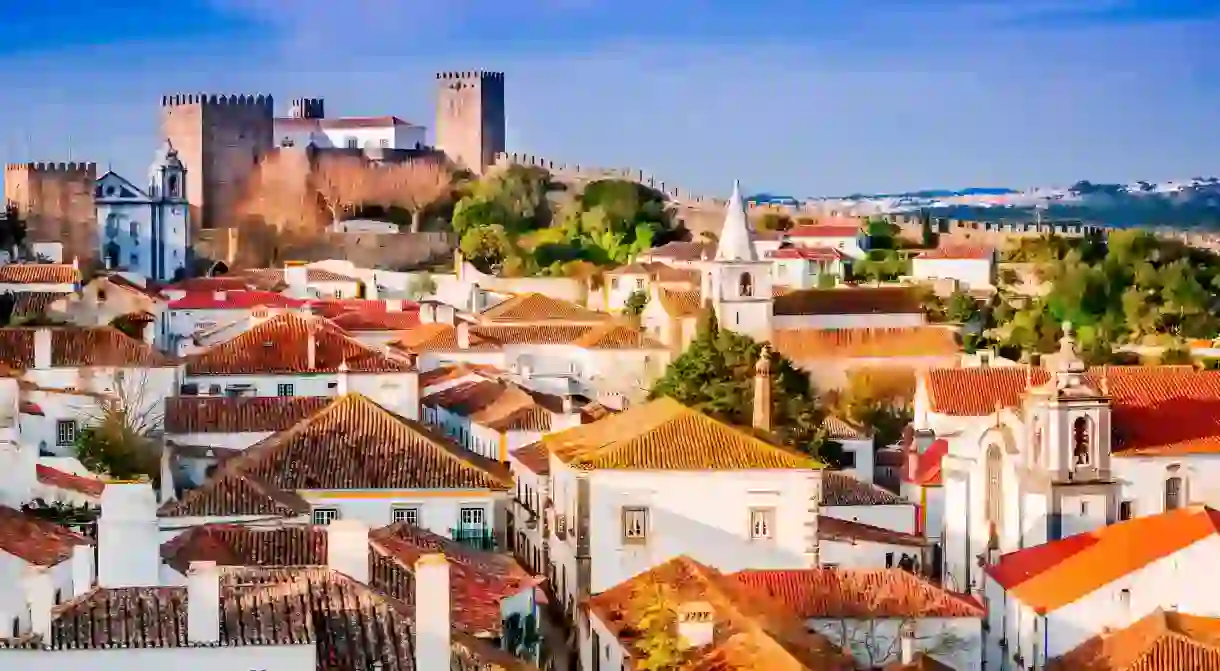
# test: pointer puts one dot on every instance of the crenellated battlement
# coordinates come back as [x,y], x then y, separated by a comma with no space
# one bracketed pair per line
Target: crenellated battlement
[218,100]
[307,108]
[61,168]
[472,74]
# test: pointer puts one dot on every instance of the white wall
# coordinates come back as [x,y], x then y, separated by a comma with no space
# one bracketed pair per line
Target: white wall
[896,517]
[255,657]
[973,273]
[440,514]
[864,554]
[956,641]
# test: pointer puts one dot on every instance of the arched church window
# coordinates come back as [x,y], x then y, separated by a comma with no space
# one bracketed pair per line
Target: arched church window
[1173,493]
[1081,431]
[745,285]
[994,493]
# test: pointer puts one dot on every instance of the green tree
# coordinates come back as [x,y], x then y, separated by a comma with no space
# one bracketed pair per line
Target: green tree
[880,399]
[774,221]
[635,303]
[961,307]
[716,375]
[658,646]
[487,247]
[118,441]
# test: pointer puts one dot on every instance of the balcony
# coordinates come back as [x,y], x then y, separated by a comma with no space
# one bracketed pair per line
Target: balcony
[476,539]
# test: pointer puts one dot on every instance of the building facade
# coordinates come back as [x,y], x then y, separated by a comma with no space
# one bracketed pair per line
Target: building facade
[146,232]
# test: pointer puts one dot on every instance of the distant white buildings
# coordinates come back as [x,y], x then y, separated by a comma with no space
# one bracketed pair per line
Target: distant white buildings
[146,232]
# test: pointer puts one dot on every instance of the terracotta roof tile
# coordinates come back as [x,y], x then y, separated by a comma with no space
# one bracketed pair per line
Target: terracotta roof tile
[75,346]
[39,273]
[443,337]
[220,283]
[616,336]
[234,300]
[280,345]
[239,414]
[1160,641]
[683,251]
[849,301]
[851,593]
[538,308]
[270,277]
[680,304]
[369,320]
[750,630]
[1161,410]
[34,540]
[456,371]
[848,531]
[117,280]
[666,435]
[841,489]
[659,272]
[351,444]
[534,457]
[1050,576]
[351,625]
[497,405]
[35,303]
[53,477]
[960,252]
[333,307]
[840,429]
[866,343]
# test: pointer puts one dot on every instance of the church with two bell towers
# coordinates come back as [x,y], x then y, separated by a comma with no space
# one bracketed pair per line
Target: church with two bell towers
[146,231]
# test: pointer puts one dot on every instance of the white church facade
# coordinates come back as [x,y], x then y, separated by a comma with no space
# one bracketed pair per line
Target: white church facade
[146,231]
[736,281]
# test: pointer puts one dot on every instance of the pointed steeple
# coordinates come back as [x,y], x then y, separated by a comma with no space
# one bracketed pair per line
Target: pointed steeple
[736,238]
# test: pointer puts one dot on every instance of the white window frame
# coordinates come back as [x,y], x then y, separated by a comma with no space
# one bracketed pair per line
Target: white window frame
[762,524]
[635,525]
[285,386]
[66,427]
[405,514]
[324,516]
[468,514]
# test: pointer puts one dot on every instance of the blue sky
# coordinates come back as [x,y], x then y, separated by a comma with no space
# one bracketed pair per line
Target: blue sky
[800,97]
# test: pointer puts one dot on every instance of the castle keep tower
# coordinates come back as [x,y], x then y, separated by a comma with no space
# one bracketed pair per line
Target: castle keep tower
[222,138]
[307,108]
[470,117]
[56,202]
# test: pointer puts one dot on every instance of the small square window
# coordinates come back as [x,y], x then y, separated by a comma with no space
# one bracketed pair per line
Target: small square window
[353,142]
[284,390]
[473,517]
[65,432]
[385,144]
[324,516]
[848,459]
[635,526]
[408,514]
[1126,510]
[762,523]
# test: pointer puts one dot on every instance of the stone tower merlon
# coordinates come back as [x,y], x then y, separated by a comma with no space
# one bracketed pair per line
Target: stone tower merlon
[470,125]
[55,199]
[64,168]
[220,138]
[307,108]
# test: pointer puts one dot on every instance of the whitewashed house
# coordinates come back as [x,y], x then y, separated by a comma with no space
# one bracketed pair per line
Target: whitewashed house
[644,277]
[38,559]
[195,313]
[353,460]
[799,267]
[531,470]
[856,444]
[372,134]
[146,232]
[844,236]
[969,266]
[671,317]
[109,297]
[302,281]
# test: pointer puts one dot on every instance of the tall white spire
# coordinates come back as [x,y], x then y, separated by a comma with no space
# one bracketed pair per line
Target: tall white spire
[736,238]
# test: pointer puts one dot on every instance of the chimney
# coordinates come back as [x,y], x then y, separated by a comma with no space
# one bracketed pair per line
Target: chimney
[393,305]
[427,312]
[218,296]
[82,569]
[567,404]
[923,440]
[168,491]
[906,644]
[432,626]
[311,347]
[203,602]
[696,627]
[762,391]
[463,335]
[347,548]
[128,542]
[296,276]
[42,348]
[76,262]
[40,594]
[445,313]
[341,381]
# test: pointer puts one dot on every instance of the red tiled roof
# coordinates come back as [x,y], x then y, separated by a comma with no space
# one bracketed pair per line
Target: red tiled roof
[272,277]
[498,405]
[233,300]
[280,345]
[53,477]
[220,283]
[534,457]
[807,253]
[238,414]
[75,346]
[36,541]
[1160,641]
[121,282]
[928,465]
[1049,576]
[39,273]
[456,371]
[852,593]
[341,122]
[437,337]
[1162,410]
[835,529]
[377,321]
[333,307]
[960,252]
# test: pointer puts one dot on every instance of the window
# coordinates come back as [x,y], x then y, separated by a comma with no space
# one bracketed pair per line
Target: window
[639,284]
[614,284]
[352,142]
[65,432]
[324,516]
[597,652]
[762,523]
[1038,443]
[1125,511]
[286,141]
[1124,598]
[59,596]
[889,560]
[1173,493]
[994,494]
[745,285]
[1084,507]
[848,459]
[473,517]
[134,229]
[408,514]
[135,259]
[1080,441]
[385,144]
[284,390]
[635,526]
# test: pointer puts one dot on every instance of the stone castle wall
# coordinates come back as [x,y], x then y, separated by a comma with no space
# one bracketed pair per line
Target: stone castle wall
[56,202]
[391,251]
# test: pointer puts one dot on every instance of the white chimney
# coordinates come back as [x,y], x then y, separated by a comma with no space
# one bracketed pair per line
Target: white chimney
[218,295]
[696,626]
[906,645]
[445,313]
[42,348]
[296,276]
[168,491]
[393,305]
[311,347]
[567,404]
[427,312]
[203,602]
[432,626]
[128,544]
[341,380]
[463,335]
[347,548]
[40,594]
[82,569]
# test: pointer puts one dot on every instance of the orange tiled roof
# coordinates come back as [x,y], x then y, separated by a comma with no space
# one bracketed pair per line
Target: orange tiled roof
[219,283]
[1161,410]
[1160,641]
[616,336]
[666,435]
[841,489]
[960,252]
[866,343]
[683,251]
[1050,576]
[121,282]
[849,301]
[443,337]
[275,276]
[35,303]
[659,272]
[539,309]
[36,541]
[750,631]
[376,320]
[238,414]
[39,273]
[479,581]
[681,304]
[498,405]
[280,345]
[456,371]
[351,444]
[75,346]
[847,531]
[534,457]
[841,429]
[853,593]
[53,477]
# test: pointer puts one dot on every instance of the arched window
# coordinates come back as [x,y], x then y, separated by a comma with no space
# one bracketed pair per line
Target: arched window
[994,493]
[1081,439]
[1173,492]
[745,285]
